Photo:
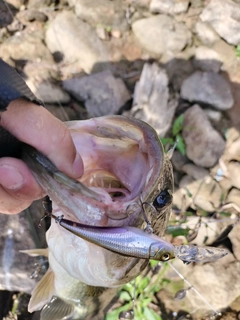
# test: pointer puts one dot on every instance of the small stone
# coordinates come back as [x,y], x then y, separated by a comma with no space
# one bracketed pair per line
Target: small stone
[161,33]
[208,88]
[196,172]
[207,59]
[77,41]
[204,145]
[101,93]
[116,34]
[224,17]
[152,102]
[169,6]
[25,46]
[234,197]
[205,33]
[102,33]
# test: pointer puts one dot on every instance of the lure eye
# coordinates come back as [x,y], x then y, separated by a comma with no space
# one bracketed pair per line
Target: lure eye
[163,199]
[165,257]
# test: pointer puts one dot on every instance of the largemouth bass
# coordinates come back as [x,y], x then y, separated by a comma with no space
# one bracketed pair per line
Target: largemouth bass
[124,169]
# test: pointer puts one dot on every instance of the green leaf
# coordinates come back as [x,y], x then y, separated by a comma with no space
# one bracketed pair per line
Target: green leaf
[113,315]
[150,314]
[177,125]
[166,141]
[176,231]
[238,51]
[180,145]
[124,295]
[142,284]
[153,263]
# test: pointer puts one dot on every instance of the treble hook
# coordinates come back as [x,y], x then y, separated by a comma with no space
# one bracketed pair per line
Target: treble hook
[47,206]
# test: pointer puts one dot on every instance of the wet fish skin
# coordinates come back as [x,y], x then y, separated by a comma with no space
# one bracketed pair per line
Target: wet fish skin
[128,241]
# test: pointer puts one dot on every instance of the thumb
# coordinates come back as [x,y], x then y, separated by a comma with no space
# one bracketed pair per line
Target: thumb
[37,127]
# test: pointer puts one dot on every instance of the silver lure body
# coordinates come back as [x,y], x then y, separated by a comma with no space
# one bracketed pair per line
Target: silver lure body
[128,241]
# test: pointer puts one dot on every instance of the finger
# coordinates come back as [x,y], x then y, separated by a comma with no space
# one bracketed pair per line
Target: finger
[18,188]
[37,127]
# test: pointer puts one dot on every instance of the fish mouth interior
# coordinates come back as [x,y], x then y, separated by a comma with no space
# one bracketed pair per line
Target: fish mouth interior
[117,157]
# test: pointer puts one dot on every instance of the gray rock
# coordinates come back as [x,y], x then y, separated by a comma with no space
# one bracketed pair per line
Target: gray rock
[151,99]
[105,13]
[77,41]
[204,145]
[208,88]
[224,17]
[25,45]
[101,93]
[169,6]
[205,33]
[40,79]
[161,33]
[213,115]
[207,59]
[234,235]
[194,171]
[178,70]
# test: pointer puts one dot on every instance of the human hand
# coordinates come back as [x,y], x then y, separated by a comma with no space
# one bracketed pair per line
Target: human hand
[37,127]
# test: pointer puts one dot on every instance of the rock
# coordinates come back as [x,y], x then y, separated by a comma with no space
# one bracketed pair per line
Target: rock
[207,88]
[178,70]
[207,59]
[178,160]
[205,33]
[169,6]
[16,3]
[224,17]
[161,33]
[204,194]
[106,13]
[234,235]
[101,93]
[233,173]
[33,15]
[213,115]
[40,77]
[40,3]
[218,282]
[77,41]
[25,46]
[194,171]
[233,197]
[6,16]
[204,145]
[151,99]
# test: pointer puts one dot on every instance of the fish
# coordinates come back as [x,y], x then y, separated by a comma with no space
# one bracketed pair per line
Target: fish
[127,178]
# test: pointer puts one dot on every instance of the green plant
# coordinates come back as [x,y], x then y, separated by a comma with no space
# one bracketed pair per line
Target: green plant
[140,293]
[176,136]
[238,51]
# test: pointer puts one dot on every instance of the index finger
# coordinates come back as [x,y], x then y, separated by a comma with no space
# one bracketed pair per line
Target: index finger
[37,127]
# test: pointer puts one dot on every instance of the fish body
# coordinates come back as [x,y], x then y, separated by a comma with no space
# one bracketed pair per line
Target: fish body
[124,167]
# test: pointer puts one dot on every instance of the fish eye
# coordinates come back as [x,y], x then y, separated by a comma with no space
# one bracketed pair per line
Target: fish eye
[165,257]
[163,199]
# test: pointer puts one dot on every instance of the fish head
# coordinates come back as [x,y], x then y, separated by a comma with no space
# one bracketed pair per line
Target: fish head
[127,180]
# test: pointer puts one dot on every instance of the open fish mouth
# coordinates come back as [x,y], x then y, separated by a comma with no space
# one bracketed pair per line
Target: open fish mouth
[120,167]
